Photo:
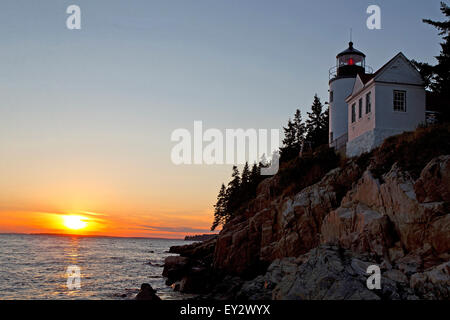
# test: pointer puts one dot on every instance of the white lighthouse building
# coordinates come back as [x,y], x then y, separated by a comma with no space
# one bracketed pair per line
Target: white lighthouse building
[349,63]
[366,107]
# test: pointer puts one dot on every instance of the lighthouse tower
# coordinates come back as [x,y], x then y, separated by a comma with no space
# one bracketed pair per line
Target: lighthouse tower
[349,64]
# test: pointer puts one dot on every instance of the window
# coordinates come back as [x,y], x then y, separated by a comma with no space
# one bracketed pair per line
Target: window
[399,100]
[353,112]
[360,108]
[331,96]
[368,102]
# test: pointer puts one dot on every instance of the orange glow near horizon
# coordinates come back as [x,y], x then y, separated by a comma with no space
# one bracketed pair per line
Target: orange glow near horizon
[108,201]
[116,224]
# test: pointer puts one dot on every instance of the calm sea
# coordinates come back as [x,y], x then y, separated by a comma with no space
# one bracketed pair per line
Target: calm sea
[35,266]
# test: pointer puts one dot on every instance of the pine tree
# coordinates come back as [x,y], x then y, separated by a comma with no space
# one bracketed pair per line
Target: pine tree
[300,130]
[219,209]
[441,79]
[287,151]
[437,78]
[316,125]
[245,183]
[245,178]
[324,126]
[255,175]
[233,192]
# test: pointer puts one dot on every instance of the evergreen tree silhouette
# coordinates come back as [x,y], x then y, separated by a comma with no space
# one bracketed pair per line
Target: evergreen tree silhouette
[316,125]
[437,77]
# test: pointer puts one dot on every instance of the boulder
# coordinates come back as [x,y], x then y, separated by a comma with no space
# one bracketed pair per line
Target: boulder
[324,273]
[175,267]
[147,293]
[434,283]
[434,182]
[359,228]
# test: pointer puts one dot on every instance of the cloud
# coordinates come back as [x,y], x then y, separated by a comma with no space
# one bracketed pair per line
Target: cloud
[172,229]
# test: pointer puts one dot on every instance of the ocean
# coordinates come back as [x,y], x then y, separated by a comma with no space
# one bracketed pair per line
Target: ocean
[36,266]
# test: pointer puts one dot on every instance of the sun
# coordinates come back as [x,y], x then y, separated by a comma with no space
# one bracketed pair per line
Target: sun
[74,222]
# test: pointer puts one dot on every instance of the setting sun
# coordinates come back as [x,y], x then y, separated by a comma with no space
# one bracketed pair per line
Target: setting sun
[74,222]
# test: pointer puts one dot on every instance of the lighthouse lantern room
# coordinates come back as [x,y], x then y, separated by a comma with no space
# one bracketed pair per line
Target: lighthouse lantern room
[350,62]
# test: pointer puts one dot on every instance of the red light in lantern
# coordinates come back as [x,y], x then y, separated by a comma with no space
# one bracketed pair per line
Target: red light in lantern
[351,62]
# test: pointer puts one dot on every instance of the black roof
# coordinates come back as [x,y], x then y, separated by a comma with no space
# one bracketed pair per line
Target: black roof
[351,50]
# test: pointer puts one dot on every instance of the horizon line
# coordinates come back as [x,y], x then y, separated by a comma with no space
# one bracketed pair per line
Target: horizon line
[83,235]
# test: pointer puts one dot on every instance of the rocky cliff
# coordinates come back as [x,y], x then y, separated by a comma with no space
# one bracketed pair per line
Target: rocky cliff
[317,243]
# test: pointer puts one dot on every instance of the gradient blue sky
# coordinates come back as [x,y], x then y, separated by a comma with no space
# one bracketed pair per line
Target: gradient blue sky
[86,116]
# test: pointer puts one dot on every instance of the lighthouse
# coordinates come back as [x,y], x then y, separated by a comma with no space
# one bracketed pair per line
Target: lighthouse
[349,63]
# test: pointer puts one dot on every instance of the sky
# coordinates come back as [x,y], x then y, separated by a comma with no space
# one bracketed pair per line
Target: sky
[86,115]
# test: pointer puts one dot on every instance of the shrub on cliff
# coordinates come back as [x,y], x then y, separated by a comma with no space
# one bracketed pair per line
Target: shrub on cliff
[307,169]
[412,150]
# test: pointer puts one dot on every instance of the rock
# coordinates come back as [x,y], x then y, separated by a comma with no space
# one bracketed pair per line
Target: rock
[277,227]
[324,273]
[226,289]
[195,281]
[396,275]
[433,283]
[398,201]
[395,198]
[318,243]
[396,252]
[327,274]
[257,289]
[359,228]
[190,272]
[409,264]
[434,182]
[176,286]
[175,267]
[147,293]
[199,250]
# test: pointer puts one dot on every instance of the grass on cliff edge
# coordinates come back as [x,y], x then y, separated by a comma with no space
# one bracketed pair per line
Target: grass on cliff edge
[411,150]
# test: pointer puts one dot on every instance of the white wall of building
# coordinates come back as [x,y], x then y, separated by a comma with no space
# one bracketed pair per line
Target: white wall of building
[371,130]
[367,121]
[387,118]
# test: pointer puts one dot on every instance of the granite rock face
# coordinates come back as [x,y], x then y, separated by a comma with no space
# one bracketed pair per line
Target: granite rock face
[279,227]
[317,244]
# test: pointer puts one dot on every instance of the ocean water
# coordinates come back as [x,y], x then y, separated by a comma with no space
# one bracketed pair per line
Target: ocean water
[35,266]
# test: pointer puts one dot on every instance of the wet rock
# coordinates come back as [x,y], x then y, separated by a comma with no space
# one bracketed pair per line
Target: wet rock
[190,272]
[147,293]
[175,267]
